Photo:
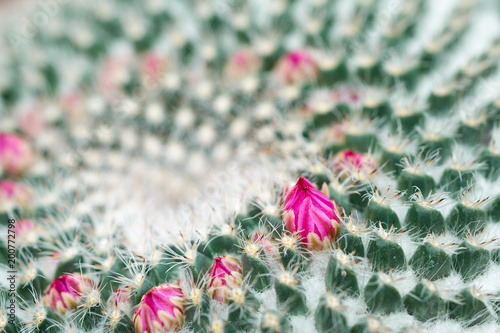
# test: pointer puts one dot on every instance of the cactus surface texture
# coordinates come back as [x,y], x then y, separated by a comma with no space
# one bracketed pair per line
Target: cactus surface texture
[250,166]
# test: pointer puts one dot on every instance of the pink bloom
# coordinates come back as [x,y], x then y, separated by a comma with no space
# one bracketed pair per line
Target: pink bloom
[347,96]
[352,162]
[153,67]
[225,274]
[113,75]
[297,67]
[243,63]
[267,245]
[64,293]
[16,155]
[73,104]
[161,310]
[311,214]
[32,122]
[14,193]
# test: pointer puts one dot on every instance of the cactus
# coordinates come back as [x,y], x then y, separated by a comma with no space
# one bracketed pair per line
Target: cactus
[250,166]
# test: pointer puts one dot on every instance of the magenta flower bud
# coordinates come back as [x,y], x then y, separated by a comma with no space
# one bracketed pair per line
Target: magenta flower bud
[350,162]
[161,309]
[225,274]
[310,214]
[242,64]
[297,67]
[16,155]
[13,194]
[65,292]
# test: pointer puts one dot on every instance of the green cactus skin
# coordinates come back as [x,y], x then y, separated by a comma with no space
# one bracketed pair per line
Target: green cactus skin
[407,123]
[243,316]
[468,309]
[492,164]
[362,143]
[124,325]
[290,298]
[380,110]
[388,218]
[341,199]
[359,199]
[443,145]
[421,221]
[328,319]
[223,244]
[257,272]
[197,312]
[350,243]
[385,255]
[463,219]
[470,261]
[340,278]
[493,209]
[424,303]
[275,322]
[368,325]
[453,180]
[37,284]
[69,266]
[291,258]
[408,181]
[381,297]
[391,161]
[430,262]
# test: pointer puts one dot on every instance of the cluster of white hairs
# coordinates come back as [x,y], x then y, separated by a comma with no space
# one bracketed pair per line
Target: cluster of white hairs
[156,125]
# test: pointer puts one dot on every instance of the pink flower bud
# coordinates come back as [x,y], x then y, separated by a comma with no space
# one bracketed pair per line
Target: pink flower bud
[297,67]
[121,297]
[267,245]
[16,155]
[161,310]
[351,162]
[31,121]
[243,63]
[311,214]
[153,67]
[347,96]
[225,274]
[65,292]
[14,194]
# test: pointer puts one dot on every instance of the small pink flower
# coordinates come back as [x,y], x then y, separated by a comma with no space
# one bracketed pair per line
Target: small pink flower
[73,104]
[243,63]
[347,96]
[311,214]
[16,155]
[64,293]
[351,162]
[113,75]
[14,193]
[161,310]
[267,245]
[31,122]
[297,67]
[153,68]
[225,274]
